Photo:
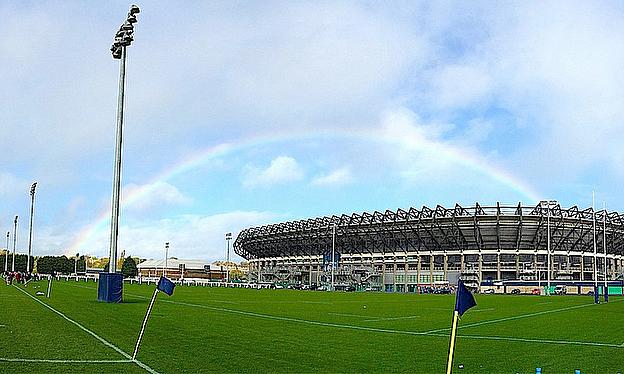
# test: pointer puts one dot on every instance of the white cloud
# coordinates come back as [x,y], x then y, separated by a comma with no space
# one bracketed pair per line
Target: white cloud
[335,178]
[458,86]
[11,185]
[153,195]
[282,170]
[191,236]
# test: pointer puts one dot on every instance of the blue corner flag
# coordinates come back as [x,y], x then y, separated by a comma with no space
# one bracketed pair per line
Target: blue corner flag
[166,286]
[464,299]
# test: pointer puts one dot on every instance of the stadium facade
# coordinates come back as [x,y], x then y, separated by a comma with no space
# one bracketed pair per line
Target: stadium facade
[404,249]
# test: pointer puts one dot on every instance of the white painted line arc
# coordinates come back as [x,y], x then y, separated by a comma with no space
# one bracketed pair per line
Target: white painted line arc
[542,341]
[511,318]
[348,315]
[390,318]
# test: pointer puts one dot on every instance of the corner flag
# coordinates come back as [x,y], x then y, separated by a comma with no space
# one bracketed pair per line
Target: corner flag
[166,286]
[464,300]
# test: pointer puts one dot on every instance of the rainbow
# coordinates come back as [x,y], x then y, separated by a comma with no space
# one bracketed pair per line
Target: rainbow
[444,151]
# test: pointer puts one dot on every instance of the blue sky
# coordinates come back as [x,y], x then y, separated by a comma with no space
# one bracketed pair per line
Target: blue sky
[314,108]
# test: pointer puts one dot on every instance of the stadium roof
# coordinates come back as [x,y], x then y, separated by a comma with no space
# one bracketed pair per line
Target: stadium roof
[457,229]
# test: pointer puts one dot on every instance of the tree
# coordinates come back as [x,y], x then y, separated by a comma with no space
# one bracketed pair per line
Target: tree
[236,274]
[129,268]
[54,264]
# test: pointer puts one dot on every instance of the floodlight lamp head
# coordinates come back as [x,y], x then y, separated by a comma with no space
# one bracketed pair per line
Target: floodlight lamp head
[116,49]
[126,41]
[126,26]
[131,18]
[134,9]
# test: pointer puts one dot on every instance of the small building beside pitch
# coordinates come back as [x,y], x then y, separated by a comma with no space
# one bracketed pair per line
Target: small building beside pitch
[176,269]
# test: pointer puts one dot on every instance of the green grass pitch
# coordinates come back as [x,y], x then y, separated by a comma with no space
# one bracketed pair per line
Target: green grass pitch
[202,329]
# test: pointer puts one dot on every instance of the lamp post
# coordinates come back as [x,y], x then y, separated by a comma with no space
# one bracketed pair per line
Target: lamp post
[123,39]
[333,261]
[595,253]
[32,213]
[14,242]
[548,247]
[6,253]
[549,204]
[604,242]
[166,259]
[228,237]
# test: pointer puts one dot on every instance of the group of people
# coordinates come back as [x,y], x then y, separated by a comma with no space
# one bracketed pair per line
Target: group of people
[18,276]
[436,289]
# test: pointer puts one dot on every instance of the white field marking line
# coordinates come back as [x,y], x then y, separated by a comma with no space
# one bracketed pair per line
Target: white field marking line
[511,318]
[315,302]
[548,341]
[108,344]
[349,315]
[389,318]
[404,332]
[64,361]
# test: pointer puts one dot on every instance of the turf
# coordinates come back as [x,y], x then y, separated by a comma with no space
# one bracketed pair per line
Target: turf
[202,329]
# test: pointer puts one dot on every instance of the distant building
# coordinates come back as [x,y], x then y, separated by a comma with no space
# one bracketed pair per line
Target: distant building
[181,268]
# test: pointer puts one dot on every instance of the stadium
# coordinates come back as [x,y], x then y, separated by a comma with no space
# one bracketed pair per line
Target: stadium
[403,250]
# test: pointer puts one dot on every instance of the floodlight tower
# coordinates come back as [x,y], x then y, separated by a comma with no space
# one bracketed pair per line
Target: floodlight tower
[32,213]
[110,285]
[123,39]
[14,242]
[549,205]
[228,237]
[6,253]
[333,261]
[604,242]
[594,234]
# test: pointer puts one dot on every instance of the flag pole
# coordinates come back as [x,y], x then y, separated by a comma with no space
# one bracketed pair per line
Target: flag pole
[49,286]
[449,366]
[149,310]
